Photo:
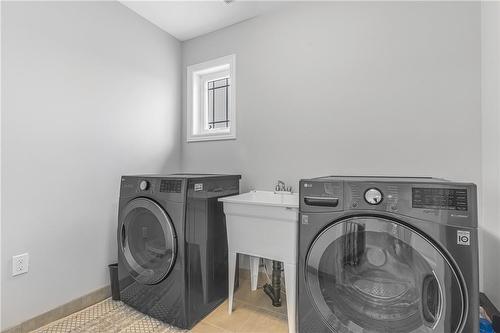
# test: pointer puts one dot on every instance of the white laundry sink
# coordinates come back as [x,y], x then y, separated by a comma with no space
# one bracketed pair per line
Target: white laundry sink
[264,224]
[265,198]
[263,204]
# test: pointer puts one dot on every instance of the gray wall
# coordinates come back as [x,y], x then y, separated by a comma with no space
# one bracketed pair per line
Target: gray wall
[349,88]
[90,92]
[491,149]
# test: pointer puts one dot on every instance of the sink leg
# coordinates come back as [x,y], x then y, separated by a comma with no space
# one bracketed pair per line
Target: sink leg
[231,277]
[254,272]
[291,295]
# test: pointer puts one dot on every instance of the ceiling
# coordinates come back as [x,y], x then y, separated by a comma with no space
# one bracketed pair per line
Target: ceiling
[188,19]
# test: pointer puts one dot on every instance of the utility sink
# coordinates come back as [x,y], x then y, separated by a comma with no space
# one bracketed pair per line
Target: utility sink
[264,224]
[265,198]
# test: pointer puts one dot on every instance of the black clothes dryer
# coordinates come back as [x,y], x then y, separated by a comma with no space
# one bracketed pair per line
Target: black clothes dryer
[172,246]
[387,255]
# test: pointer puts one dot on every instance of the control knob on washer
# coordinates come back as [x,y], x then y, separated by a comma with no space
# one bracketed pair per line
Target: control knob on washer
[373,196]
[143,185]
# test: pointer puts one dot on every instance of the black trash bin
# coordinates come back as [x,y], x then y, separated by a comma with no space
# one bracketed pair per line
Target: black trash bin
[113,277]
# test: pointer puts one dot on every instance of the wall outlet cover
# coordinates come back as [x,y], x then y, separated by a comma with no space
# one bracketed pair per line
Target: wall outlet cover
[20,264]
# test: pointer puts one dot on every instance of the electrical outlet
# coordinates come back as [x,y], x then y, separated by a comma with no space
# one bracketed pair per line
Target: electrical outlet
[20,264]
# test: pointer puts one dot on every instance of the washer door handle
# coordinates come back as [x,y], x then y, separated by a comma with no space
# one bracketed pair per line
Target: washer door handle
[431,299]
[123,236]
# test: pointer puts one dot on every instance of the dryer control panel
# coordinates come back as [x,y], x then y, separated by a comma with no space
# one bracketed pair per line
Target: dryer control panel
[171,185]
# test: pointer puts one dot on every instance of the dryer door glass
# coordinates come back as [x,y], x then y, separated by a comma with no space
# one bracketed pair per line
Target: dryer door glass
[147,240]
[369,274]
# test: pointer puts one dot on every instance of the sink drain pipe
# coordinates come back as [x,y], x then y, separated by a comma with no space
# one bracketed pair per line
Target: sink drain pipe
[274,290]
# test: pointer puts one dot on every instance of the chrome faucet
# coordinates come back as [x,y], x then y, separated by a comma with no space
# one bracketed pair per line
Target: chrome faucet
[282,188]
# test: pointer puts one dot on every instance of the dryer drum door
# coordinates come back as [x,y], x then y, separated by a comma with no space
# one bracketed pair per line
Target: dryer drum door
[147,241]
[370,274]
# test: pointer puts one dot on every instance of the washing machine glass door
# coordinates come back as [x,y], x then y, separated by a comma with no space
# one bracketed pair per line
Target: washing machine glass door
[147,240]
[370,274]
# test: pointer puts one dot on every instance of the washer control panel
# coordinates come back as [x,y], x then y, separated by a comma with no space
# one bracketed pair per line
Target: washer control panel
[426,199]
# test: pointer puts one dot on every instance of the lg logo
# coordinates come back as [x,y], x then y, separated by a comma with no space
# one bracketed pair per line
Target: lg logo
[463,237]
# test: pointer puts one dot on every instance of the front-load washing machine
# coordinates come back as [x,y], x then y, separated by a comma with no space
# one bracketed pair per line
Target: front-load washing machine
[172,247]
[384,255]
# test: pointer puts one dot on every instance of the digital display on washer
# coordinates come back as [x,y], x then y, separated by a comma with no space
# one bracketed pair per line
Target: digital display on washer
[171,186]
[439,198]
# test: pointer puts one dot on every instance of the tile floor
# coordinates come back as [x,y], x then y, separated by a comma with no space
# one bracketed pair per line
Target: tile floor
[253,313]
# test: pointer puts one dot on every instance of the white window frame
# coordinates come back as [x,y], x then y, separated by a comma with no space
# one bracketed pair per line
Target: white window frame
[197,98]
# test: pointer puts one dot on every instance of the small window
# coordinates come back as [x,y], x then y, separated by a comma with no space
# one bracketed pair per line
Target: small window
[218,100]
[211,100]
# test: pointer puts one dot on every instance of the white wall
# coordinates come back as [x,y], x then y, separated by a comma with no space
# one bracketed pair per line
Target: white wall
[491,149]
[90,92]
[349,88]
